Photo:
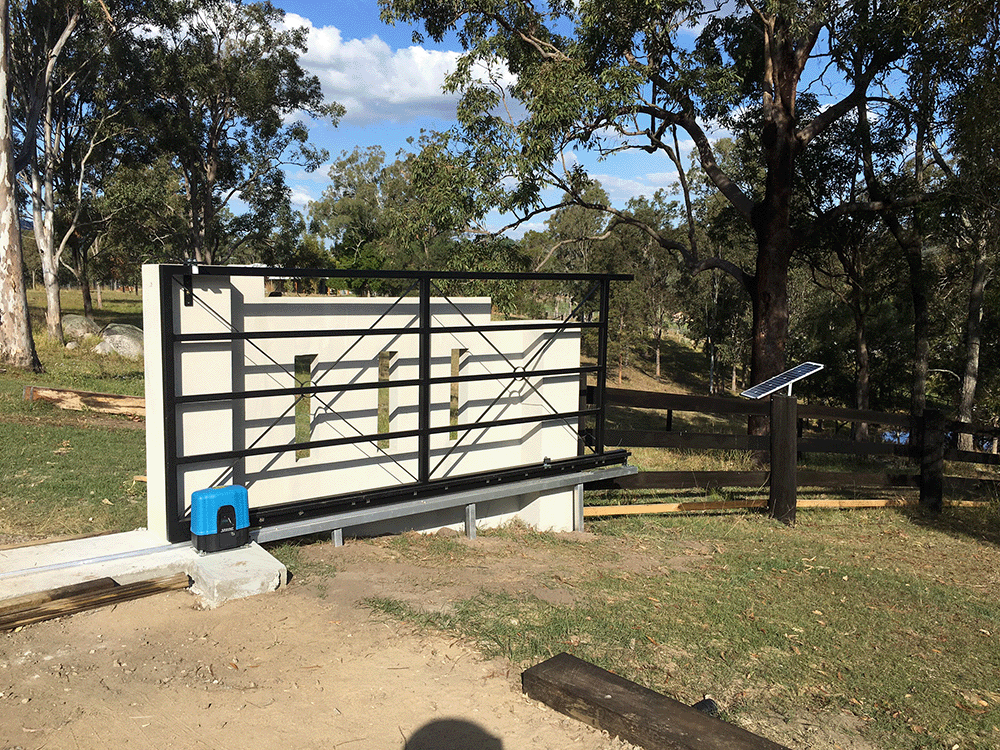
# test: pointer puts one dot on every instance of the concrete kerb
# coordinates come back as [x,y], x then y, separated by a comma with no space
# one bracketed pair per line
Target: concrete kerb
[135,556]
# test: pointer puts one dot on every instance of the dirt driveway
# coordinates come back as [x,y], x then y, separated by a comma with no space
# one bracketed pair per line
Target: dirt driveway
[304,667]
[310,666]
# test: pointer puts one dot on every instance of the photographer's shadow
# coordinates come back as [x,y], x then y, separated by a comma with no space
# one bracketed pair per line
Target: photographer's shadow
[452,734]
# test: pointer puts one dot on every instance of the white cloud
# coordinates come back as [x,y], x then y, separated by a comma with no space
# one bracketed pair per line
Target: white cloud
[661,179]
[522,229]
[374,82]
[300,198]
[620,189]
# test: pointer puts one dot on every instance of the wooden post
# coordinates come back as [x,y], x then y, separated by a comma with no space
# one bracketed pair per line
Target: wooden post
[781,502]
[931,448]
[625,709]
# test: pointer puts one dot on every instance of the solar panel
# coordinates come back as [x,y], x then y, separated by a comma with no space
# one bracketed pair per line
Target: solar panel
[784,380]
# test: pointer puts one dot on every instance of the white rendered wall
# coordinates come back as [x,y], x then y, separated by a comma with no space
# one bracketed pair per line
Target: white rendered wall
[239,303]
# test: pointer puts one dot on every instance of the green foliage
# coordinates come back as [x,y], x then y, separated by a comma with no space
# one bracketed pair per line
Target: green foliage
[227,82]
[413,213]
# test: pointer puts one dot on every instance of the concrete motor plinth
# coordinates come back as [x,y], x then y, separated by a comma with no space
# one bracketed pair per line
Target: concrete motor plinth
[135,556]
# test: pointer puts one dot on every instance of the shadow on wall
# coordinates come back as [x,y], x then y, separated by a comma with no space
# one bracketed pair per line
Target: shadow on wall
[452,734]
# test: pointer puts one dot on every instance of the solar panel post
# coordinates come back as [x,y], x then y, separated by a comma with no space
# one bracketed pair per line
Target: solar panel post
[782,498]
[931,432]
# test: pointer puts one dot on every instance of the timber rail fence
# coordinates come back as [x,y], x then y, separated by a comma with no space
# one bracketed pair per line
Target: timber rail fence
[927,444]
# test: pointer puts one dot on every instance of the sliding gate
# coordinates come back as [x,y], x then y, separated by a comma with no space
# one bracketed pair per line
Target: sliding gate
[330,402]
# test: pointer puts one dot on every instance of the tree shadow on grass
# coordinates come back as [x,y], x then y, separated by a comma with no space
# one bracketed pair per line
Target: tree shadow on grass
[980,523]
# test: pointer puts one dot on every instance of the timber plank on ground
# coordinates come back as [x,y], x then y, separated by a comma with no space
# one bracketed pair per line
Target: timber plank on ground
[106,403]
[596,511]
[630,711]
[27,601]
[86,596]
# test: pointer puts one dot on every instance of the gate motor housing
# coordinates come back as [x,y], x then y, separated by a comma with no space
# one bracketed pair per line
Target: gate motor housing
[220,518]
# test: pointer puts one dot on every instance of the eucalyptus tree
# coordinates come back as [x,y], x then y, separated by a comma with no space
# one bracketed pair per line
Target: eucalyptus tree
[350,210]
[67,106]
[656,273]
[577,233]
[910,184]
[17,347]
[227,89]
[975,173]
[407,213]
[609,76]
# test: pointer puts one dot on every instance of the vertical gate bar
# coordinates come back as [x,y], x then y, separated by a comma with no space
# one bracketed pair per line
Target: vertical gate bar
[424,388]
[167,344]
[602,365]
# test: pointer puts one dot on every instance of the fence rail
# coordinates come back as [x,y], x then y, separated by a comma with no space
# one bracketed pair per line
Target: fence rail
[927,442]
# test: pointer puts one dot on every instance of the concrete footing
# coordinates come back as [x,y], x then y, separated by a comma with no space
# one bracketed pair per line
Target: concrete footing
[136,556]
[235,574]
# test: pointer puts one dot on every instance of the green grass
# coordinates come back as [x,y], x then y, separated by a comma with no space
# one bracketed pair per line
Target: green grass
[60,478]
[865,612]
[119,307]
[81,368]
[64,472]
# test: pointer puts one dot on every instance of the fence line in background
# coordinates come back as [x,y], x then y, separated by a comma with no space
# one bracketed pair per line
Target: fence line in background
[927,443]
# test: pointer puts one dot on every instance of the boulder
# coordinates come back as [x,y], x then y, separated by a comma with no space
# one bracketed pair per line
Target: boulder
[77,327]
[124,340]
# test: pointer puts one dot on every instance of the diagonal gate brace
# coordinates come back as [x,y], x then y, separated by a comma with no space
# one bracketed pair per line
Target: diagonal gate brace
[625,709]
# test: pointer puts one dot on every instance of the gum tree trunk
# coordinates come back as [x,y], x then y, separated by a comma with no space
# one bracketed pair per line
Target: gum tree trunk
[973,337]
[17,348]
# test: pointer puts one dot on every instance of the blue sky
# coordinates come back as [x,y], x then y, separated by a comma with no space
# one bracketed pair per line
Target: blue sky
[392,88]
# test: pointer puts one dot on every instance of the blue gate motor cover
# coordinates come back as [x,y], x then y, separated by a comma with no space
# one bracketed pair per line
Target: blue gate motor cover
[220,518]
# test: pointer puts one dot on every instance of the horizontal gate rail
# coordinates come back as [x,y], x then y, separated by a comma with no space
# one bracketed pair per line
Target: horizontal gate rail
[410,383]
[345,332]
[268,450]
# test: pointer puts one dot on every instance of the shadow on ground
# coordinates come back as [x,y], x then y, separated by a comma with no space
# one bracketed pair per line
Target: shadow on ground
[452,734]
[976,523]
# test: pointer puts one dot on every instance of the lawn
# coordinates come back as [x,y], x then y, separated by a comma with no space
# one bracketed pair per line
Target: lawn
[63,472]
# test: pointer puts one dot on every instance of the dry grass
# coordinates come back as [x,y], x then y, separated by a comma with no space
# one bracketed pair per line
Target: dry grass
[883,621]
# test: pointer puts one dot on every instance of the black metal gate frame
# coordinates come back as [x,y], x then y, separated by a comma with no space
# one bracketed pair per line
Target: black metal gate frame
[592,450]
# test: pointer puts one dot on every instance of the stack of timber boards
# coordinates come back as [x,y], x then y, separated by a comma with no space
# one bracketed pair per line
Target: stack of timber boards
[625,709]
[67,600]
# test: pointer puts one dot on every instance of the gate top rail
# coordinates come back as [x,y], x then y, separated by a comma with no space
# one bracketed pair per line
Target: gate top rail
[322,273]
